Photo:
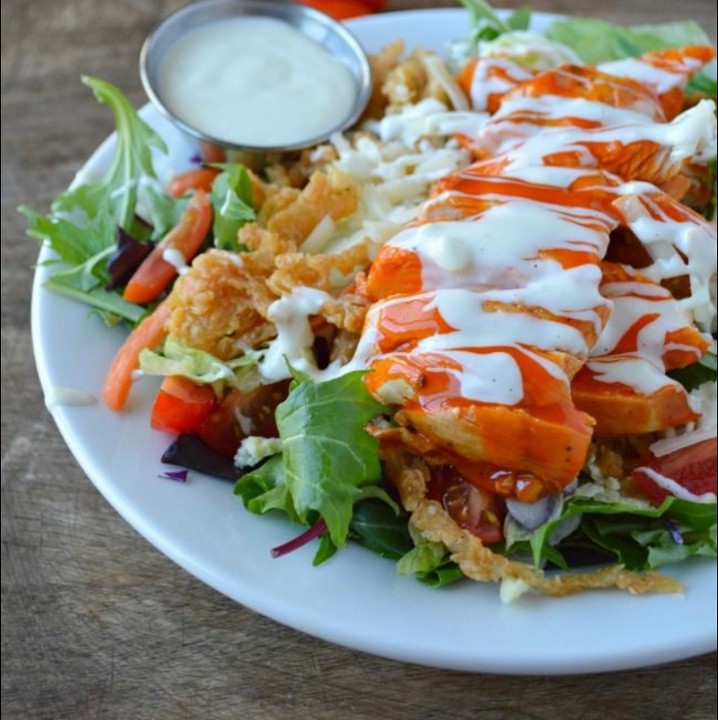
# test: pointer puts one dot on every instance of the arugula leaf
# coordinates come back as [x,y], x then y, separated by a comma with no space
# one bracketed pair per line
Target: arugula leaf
[691,377]
[116,192]
[81,228]
[597,41]
[82,283]
[85,251]
[328,461]
[163,210]
[232,201]
[73,244]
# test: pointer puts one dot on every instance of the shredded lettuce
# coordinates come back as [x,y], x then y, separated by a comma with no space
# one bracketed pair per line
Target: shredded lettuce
[597,41]
[174,358]
[485,24]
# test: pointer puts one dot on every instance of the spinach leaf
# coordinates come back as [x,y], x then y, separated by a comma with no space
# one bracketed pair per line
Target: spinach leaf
[381,528]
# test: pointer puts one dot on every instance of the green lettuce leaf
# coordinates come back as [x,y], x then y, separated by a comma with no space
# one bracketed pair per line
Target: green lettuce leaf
[597,41]
[328,461]
[638,537]
[328,456]
[264,489]
[81,228]
[428,561]
[116,193]
[174,358]
[232,201]
[486,25]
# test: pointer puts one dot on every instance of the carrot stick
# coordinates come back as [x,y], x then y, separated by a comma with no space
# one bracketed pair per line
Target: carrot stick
[199,179]
[155,273]
[147,334]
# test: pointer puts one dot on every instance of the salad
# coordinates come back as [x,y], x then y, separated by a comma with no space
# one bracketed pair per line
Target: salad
[474,334]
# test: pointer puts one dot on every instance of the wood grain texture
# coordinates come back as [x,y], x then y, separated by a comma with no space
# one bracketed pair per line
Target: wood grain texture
[95,622]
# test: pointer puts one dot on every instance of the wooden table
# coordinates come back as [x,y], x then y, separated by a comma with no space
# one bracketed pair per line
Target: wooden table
[95,622]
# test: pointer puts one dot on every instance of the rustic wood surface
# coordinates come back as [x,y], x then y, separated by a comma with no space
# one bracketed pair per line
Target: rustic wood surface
[98,624]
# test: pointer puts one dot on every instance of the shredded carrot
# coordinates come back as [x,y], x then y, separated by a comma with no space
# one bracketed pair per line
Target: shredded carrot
[199,179]
[155,273]
[147,334]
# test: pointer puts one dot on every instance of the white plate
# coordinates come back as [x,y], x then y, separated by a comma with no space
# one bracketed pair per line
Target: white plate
[356,599]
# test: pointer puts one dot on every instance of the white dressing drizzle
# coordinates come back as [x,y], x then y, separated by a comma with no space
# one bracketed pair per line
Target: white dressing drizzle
[293,344]
[175,258]
[61,396]
[675,488]
[661,79]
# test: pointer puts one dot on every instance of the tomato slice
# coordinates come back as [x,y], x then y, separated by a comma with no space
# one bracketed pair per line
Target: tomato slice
[473,509]
[239,414]
[693,468]
[181,405]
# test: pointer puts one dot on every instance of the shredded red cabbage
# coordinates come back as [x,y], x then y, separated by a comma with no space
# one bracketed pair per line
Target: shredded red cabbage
[314,531]
[176,475]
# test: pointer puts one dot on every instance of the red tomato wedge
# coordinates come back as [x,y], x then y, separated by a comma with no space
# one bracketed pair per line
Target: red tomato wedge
[147,334]
[472,508]
[694,468]
[239,414]
[181,405]
[155,273]
[199,179]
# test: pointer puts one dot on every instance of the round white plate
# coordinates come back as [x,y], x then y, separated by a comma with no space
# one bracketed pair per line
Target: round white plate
[356,599]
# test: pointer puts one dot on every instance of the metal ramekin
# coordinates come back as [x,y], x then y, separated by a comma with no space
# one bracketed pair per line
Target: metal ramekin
[317,26]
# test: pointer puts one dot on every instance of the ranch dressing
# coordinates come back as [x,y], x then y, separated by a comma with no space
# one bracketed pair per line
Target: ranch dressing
[255,81]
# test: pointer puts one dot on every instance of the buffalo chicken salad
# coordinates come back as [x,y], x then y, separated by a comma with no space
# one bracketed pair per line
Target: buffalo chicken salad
[475,333]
